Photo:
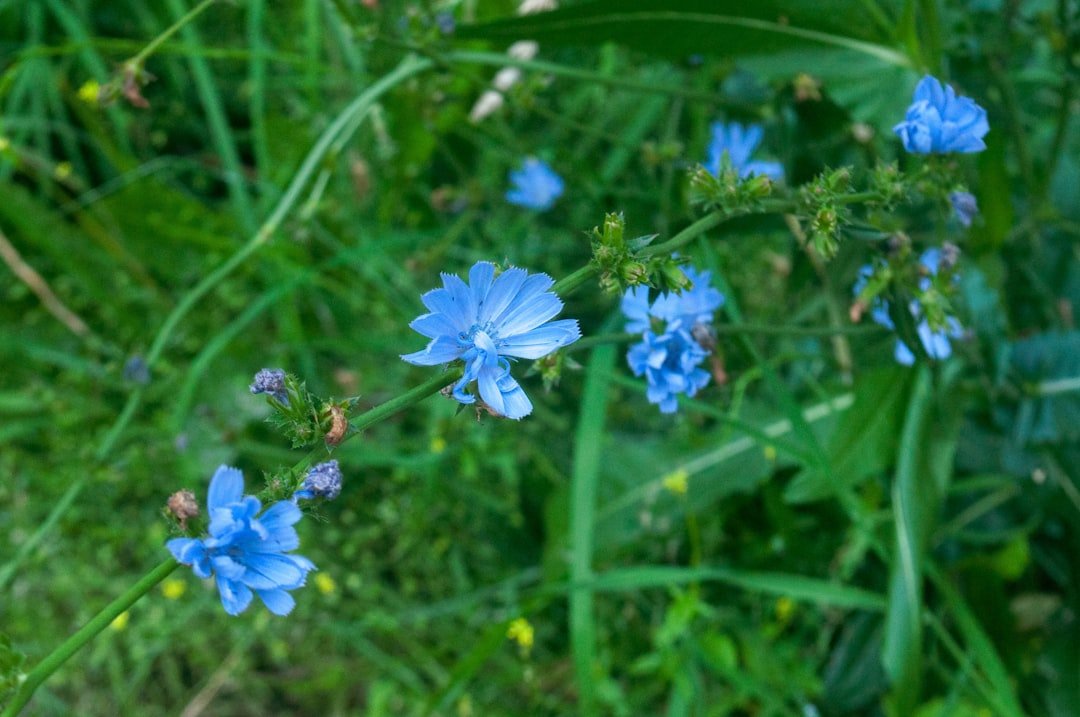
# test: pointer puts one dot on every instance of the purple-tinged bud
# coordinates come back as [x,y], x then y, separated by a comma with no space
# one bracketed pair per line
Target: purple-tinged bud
[322,481]
[271,381]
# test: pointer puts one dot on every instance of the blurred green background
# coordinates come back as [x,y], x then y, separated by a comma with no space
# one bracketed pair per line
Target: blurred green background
[742,551]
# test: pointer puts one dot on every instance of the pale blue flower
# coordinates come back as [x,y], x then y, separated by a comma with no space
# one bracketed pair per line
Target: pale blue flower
[670,363]
[246,553]
[965,207]
[487,322]
[739,143]
[936,343]
[939,121]
[322,481]
[535,185]
[668,356]
[270,381]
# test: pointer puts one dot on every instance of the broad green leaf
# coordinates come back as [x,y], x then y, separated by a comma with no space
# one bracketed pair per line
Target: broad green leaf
[1049,367]
[864,441]
[685,27]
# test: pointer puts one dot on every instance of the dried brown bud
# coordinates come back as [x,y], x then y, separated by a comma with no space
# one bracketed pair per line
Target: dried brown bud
[339,426]
[182,505]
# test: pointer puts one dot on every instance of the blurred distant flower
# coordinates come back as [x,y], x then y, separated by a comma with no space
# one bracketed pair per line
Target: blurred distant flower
[535,185]
[246,552]
[965,207]
[937,343]
[487,321]
[739,143]
[669,354]
[89,92]
[939,121]
[521,631]
[136,370]
[271,381]
[322,481]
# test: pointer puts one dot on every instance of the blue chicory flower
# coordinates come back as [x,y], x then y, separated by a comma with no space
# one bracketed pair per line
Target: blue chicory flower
[487,322]
[535,185]
[322,481]
[137,370]
[939,121]
[936,343]
[668,355]
[739,143]
[246,552]
[270,381]
[965,207]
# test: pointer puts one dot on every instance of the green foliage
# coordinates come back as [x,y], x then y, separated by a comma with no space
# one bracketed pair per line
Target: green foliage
[817,530]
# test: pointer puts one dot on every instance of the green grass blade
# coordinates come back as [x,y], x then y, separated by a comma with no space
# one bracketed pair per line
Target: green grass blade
[588,443]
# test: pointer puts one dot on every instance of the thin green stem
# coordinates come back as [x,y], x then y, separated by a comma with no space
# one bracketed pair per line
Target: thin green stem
[87,632]
[160,40]
[410,397]
[568,283]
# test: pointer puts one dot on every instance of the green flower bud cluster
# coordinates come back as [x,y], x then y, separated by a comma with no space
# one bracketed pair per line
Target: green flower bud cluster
[306,419]
[620,264]
[727,191]
[821,201]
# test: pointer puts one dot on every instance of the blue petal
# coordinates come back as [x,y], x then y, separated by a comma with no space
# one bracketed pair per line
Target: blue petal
[266,571]
[527,315]
[227,486]
[480,277]
[440,301]
[502,293]
[542,340]
[516,404]
[185,550]
[228,568]
[487,383]
[463,297]
[280,514]
[278,602]
[235,597]
[443,349]
[434,326]
[903,354]
[533,286]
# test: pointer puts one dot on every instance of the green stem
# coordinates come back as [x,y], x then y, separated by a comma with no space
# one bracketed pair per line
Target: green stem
[87,632]
[160,40]
[568,283]
[410,397]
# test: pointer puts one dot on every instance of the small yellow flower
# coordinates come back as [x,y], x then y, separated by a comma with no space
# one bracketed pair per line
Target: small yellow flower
[677,481]
[521,632]
[770,453]
[438,444]
[120,621]
[785,608]
[173,588]
[325,583]
[89,92]
[62,171]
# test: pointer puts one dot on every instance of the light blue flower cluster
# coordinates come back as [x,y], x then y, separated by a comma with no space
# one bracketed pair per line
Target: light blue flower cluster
[937,344]
[535,185]
[939,121]
[487,322]
[246,552]
[669,355]
[739,143]
[965,207]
